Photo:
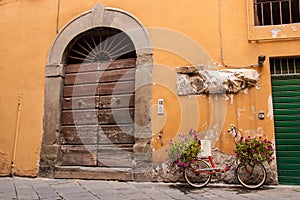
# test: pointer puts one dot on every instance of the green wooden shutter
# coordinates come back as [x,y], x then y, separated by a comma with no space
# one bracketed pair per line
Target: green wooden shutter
[286,105]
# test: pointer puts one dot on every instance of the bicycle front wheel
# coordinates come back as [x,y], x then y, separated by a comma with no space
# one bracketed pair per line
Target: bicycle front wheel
[196,175]
[251,176]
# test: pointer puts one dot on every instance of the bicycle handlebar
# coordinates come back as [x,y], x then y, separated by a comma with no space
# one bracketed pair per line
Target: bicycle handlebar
[233,131]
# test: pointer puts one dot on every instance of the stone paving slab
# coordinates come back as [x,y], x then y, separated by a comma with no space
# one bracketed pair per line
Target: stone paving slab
[73,189]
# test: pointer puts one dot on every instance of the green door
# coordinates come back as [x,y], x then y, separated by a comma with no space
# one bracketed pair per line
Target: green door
[286,105]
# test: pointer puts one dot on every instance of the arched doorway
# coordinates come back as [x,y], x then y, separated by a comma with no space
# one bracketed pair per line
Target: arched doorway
[97,120]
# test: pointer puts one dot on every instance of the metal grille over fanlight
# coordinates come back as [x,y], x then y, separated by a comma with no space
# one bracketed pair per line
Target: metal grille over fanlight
[105,44]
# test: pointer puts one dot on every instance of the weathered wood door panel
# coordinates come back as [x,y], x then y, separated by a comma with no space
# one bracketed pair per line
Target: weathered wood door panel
[116,116]
[78,117]
[115,155]
[116,88]
[117,75]
[82,78]
[86,134]
[116,134]
[103,66]
[120,64]
[80,103]
[97,121]
[117,101]
[79,155]
[80,68]
[81,90]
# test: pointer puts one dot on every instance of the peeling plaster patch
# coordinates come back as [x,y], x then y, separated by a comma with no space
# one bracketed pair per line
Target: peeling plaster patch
[164,168]
[275,32]
[184,86]
[270,108]
[212,134]
[212,98]
[255,133]
[226,97]
[239,111]
[231,98]
[260,132]
[250,132]
[205,80]
[157,169]
[245,91]
[253,109]
[294,28]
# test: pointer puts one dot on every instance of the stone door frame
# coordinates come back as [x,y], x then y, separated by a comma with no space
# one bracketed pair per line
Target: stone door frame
[99,16]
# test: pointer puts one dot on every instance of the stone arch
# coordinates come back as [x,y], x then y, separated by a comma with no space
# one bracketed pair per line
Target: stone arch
[99,16]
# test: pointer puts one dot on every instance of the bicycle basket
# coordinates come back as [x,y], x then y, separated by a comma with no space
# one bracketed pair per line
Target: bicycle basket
[205,148]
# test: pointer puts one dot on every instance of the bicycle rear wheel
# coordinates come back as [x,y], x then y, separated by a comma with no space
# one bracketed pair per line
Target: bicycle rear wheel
[251,176]
[196,176]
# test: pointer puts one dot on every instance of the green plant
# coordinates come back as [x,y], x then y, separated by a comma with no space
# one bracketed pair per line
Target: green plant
[182,153]
[254,150]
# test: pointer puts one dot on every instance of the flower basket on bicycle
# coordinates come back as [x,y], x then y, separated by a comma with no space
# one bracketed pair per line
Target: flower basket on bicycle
[254,150]
[250,154]
[183,153]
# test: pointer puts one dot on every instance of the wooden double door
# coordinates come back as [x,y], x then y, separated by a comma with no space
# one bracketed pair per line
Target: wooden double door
[97,121]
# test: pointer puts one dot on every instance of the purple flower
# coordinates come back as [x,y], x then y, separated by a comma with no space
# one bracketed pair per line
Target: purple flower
[265,141]
[270,148]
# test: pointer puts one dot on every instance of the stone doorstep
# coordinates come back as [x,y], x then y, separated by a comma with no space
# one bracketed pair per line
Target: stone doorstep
[103,173]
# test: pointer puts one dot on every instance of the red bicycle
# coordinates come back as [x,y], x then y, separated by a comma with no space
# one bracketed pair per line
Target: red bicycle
[251,176]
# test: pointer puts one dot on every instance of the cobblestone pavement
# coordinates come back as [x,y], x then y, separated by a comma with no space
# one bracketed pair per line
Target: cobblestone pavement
[39,188]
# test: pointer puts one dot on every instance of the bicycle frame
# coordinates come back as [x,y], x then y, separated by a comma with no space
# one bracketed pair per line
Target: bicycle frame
[213,168]
[209,159]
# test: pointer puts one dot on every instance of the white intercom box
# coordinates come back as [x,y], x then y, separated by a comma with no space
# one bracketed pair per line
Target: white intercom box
[160,110]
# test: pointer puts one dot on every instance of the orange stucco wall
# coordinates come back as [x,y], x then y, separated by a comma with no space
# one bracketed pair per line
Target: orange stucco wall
[182,33]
